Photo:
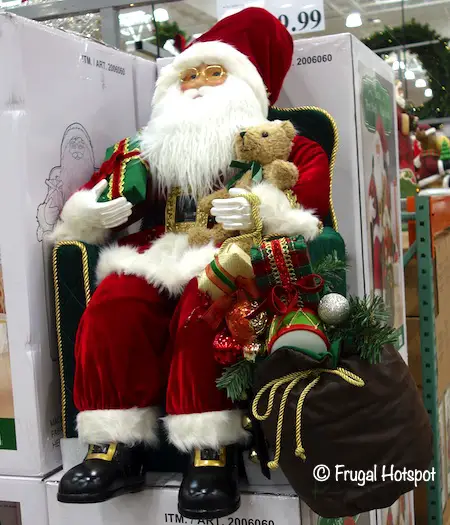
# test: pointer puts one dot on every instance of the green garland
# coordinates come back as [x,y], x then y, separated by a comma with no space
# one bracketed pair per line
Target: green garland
[237,380]
[434,57]
[167,31]
[366,330]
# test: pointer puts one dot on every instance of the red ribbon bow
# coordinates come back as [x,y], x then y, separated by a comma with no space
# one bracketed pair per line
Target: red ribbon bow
[107,168]
[283,299]
[219,309]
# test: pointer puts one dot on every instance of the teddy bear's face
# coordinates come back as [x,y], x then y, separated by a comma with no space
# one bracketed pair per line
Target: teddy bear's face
[265,143]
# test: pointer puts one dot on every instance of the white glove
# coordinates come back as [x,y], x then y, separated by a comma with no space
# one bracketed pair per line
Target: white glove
[233,213]
[106,215]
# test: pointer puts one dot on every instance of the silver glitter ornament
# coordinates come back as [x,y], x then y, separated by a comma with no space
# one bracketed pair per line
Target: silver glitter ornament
[333,309]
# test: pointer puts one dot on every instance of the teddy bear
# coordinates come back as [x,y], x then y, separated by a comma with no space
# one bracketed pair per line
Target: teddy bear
[269,146]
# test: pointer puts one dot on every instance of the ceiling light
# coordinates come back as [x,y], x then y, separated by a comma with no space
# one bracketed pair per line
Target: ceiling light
[376,21]
[353,20]
[421,83]
[161,15]
[409,75]
[396,65]
[428,93]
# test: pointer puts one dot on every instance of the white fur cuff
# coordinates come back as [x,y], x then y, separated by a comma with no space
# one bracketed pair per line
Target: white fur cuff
[280,218]
[169,264]
[129,426]
[206,430]
[73,226]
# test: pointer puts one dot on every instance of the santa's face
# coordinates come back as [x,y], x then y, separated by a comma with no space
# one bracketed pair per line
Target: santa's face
[189,139]
[77,148]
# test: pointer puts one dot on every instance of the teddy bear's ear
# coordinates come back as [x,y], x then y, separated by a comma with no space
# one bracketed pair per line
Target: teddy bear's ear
[289,129]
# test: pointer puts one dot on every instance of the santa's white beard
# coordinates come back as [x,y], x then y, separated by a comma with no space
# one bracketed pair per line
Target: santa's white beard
[189,139]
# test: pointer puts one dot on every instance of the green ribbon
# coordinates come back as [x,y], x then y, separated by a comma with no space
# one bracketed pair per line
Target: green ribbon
[221,276]
[255,167]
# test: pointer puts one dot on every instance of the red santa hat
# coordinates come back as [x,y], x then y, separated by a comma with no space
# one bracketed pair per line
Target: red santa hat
[251,44]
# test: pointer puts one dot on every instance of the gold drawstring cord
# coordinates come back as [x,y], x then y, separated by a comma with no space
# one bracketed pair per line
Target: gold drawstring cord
[292,380]
[256,234]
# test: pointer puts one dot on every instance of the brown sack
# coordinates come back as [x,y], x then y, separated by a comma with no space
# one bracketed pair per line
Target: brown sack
[382,423]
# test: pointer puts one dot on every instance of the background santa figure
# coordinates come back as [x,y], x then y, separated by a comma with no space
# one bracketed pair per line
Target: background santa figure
[141,343]
[377,210]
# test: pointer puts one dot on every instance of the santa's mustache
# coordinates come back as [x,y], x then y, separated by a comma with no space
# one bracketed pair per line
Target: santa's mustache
[195,93]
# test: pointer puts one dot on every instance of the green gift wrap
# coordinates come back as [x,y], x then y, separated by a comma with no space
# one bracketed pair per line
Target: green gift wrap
[285,260]
[126,171]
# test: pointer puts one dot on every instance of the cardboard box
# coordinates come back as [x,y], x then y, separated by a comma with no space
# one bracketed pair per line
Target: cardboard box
[442,321]
[311,518]
[23,501]
[362,103]
[414,354]
[158,505]
[144,85]
[400,513]
[57,117]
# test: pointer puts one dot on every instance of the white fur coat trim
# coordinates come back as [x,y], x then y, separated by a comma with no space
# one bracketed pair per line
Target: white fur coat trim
[129,426]
[169,264]
[280,218]
[212,53]
[72,225]
[206,430]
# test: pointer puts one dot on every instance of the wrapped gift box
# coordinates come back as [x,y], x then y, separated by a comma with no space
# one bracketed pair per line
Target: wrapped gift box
[126,171]
[57,118]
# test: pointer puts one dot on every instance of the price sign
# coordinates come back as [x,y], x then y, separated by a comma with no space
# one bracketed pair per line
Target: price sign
[301,16]
[229,7]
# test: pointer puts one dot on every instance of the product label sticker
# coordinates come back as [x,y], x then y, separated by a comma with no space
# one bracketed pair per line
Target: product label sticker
[10,513]
[92,61]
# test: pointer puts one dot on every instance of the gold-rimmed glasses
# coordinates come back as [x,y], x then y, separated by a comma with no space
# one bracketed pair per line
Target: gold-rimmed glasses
[211,74]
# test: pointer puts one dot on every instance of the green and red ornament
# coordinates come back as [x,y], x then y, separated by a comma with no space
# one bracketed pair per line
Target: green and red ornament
[300,330]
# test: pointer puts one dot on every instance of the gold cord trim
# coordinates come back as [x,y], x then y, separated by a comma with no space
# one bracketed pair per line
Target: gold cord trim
[333,153]
[292,380]
[87,294]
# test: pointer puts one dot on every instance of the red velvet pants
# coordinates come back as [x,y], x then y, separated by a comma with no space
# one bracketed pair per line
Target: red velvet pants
[137,348]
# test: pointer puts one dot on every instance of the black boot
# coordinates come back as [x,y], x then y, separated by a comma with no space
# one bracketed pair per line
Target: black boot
[107,471]
[209,488]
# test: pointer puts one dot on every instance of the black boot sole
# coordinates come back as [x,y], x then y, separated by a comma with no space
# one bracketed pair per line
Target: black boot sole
[129,488]
[208,514]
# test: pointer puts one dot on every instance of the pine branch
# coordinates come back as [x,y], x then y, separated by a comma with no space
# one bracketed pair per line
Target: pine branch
[366,331]
[331,268]
[237,379]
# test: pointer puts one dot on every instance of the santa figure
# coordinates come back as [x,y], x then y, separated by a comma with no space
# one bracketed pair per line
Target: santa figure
[378,182]
[140,344]
[405,145]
